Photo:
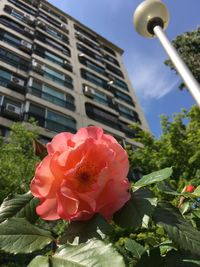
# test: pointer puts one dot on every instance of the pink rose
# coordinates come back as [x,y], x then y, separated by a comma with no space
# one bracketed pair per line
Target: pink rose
[83,174]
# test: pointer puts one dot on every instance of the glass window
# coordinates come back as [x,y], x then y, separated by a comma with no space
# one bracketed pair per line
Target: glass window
[86,33]
[53,58]
[52,92]
[122,96]
[128,113]
[11,24]
[101,98]
[111,59]
[5,75]
[58,77]
[102,116]
[88,52]
[13,59]
[17,15]
[93,78]
[52,95]
[10,39]
[23,7]
[91,65]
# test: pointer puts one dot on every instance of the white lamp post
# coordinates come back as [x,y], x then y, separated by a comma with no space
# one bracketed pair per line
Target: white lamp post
[151,18]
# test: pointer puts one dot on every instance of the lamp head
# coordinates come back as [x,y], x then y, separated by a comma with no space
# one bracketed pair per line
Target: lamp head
[149,14]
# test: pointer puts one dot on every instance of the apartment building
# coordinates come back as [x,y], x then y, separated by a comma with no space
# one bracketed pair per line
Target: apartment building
[63,74]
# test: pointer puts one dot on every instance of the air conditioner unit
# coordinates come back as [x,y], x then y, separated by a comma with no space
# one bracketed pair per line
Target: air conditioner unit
[25,45]
[17,81]
[36,66]
[63,26]
[12,109]
[29,19]
[28,32]
[41,24]
[88,91]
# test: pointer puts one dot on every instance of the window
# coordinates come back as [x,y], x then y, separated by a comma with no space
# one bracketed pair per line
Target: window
[19,15]
[23,7]
[14,60]
[111,59]
[93,78]
[109,50]
[14,25]
[97,95]
[114,70]
[13,82]
[86,33]
[61,48]
[53,32]
[88,52]
[118,82]
[53,13]
[52,95]
[51,120]
[87,42]
[15,41]
[102,116]
[44,53]
[127,131]
[91,65]
[58,77]
[49,19]
[128,113]
[123,97]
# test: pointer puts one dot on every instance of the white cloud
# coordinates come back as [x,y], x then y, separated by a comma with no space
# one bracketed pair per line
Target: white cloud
[150,77]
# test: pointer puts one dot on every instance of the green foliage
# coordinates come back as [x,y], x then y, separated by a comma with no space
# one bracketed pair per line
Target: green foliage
[178,146]
[145,232]
[188,46]
[94,253]
[18,160]
[21,206]
[19,236]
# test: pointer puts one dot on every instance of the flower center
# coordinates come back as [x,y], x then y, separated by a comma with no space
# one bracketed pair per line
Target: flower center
[85,177]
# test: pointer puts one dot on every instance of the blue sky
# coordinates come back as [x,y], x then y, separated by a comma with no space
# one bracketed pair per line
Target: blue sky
[155,84]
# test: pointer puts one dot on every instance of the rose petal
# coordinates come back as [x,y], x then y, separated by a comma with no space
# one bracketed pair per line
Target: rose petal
[43,180]
[60,143]
[67,204]
[90,132]
[48,209]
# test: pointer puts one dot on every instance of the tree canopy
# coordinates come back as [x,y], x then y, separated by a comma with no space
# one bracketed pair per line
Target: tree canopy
[17,159]
[188,46]
[178,146]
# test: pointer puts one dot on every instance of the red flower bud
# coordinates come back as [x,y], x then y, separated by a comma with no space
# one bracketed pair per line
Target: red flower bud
[189,188]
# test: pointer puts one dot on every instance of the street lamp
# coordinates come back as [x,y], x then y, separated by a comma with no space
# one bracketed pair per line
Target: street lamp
[151,18]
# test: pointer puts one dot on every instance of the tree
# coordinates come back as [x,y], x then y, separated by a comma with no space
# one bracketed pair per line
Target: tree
[188,46]
[17,159]
[178,146]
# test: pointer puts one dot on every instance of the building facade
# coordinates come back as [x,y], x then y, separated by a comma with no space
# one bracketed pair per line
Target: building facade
[58,71]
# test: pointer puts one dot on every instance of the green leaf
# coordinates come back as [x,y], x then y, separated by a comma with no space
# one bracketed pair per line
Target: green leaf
[153,177]
[39,261]
[137,211]
[20,205]
[11,206]
[19,236]
[181,232]
[197,192]
[96,227]
[135,248]
[94,253]
[29,211]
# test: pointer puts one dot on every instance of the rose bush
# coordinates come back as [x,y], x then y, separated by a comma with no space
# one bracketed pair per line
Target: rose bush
[83,174]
